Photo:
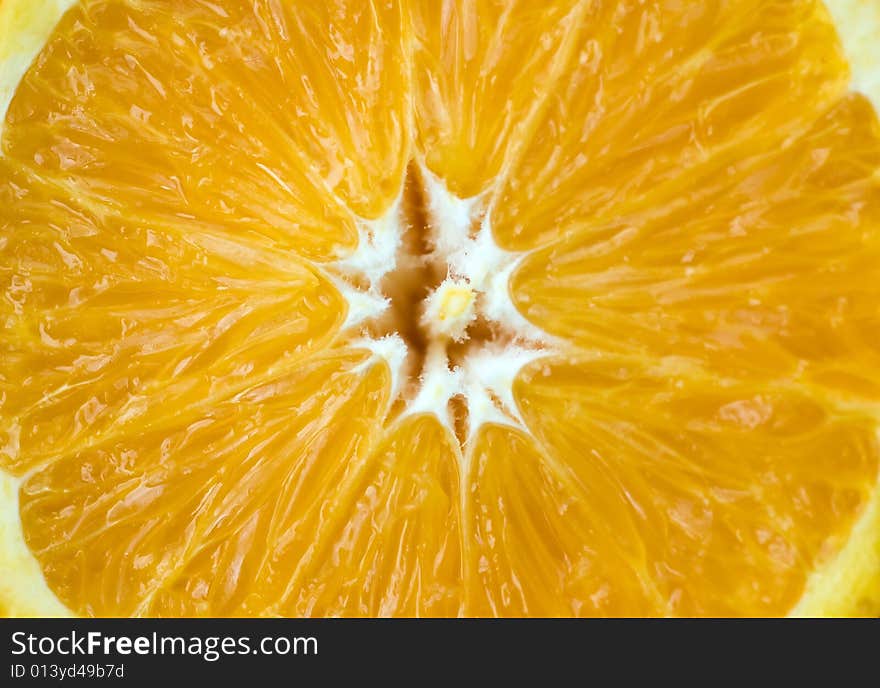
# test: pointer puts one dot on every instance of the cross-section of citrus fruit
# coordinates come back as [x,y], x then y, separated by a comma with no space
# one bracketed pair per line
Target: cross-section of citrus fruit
[437,307]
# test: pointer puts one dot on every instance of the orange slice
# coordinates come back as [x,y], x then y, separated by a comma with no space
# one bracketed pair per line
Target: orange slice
[437,308]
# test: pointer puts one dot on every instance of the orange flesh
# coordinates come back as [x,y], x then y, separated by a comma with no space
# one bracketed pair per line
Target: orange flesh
[197,435]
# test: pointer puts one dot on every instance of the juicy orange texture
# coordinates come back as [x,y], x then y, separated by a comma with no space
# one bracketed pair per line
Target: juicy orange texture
[197,434]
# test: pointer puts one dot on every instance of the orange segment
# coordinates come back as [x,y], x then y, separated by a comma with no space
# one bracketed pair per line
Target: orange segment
[395,550]
[678,470]
[655,93]
[210,513]
[337,75]
[536,549]
[120,324]
[775,272]
[480,74]
[101,112]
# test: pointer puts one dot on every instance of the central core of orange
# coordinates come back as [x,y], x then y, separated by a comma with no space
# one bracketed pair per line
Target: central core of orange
[443,293]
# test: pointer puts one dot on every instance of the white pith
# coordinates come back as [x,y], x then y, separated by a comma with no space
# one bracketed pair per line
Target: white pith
[21,579]
[391,349]
[450,309]
[378,244]
[477,285]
